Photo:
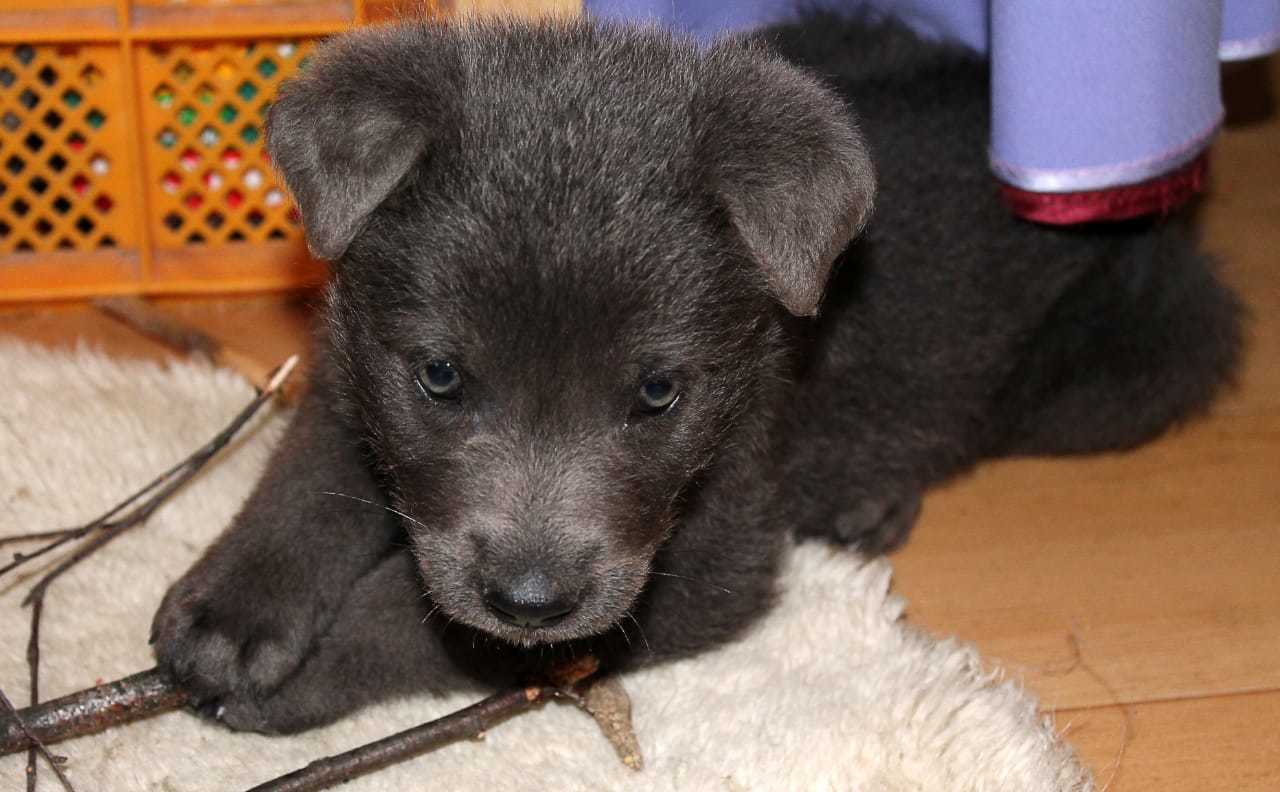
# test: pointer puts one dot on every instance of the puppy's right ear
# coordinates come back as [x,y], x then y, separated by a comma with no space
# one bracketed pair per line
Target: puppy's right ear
[347,129]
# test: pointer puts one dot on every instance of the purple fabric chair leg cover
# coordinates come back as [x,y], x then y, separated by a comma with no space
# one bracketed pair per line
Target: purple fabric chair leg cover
[1086,94]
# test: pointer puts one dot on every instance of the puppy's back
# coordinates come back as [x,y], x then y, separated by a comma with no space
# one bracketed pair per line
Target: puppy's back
[954,330]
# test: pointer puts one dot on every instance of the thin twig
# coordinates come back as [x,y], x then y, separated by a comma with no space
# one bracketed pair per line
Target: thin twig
[34,535]
[574,681]
[33,740]
[472,721]
[33,682]
[166,482]
[72,534]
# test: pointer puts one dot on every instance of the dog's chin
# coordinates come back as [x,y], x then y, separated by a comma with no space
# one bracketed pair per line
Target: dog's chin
[528,637]
[533,637]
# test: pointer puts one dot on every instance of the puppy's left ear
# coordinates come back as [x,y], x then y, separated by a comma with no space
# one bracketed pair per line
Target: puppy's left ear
[787,159]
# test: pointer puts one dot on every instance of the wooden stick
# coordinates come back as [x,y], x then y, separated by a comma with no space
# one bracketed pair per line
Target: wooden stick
[93,710]
[471,721]
[154,691]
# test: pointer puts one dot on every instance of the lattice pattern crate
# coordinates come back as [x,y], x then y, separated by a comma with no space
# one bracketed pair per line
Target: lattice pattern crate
[64,154]
[205,104]
[131,142]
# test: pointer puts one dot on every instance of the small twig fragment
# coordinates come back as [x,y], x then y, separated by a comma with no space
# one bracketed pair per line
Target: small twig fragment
[607,702]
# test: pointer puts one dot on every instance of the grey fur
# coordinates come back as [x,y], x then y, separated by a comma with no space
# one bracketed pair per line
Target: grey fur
[564,209]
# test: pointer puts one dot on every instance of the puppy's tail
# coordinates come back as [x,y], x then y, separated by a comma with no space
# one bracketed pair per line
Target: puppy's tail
[1146,338]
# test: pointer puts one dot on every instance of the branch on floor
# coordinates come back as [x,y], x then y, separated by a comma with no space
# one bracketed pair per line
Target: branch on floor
[154,691]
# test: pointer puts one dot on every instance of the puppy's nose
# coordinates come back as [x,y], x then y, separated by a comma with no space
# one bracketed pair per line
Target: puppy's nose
[529,601]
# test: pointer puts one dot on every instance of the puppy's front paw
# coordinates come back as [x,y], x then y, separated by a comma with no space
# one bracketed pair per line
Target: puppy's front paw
[880,524]
[233,636]
[272,713]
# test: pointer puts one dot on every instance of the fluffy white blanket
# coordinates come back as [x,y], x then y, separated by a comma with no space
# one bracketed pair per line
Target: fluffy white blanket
[833,690]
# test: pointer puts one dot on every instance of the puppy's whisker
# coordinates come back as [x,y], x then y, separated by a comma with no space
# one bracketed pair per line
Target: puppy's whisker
[692,580]
[379,505]
[623,630]
[643,637]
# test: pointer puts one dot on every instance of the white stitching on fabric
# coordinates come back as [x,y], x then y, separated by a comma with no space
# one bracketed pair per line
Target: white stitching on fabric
[1102,176]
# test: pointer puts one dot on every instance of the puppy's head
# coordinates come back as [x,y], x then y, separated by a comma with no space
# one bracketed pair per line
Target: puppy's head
[559,255]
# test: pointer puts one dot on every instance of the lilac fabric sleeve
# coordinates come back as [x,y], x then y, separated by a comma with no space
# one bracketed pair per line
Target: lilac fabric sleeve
[706,19]
[1250,29]
[1086,94]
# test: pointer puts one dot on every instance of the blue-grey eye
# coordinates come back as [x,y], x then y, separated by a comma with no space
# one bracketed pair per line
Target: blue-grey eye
[440,379]
[657,394]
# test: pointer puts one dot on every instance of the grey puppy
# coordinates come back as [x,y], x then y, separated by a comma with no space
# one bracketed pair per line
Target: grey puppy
[578,383]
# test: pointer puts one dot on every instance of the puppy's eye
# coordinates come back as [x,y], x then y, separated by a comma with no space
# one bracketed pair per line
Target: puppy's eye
[656,395]
[440,380]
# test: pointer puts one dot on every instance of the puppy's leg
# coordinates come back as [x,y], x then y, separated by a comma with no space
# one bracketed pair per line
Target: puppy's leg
[1145,339]
[379,645]
[861,485]
[876,524]
[242,619]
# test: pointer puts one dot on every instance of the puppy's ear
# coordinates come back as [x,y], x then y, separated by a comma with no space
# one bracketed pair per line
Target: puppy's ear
[787,159]
[347,129]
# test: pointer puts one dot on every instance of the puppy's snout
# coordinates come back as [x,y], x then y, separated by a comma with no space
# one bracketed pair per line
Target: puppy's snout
[530,600]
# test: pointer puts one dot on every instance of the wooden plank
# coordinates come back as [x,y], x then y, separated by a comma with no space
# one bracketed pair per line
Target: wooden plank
[32,276]
[150,22]
[1162,562]
[269,327]
[75,22]
[232,267]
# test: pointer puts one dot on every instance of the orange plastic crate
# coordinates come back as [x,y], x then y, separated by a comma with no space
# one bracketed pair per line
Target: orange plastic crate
[131,144]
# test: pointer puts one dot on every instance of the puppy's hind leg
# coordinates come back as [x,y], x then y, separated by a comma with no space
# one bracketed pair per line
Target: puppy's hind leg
[1146,338]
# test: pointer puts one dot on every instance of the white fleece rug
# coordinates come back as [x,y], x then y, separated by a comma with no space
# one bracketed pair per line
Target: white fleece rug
[833,690]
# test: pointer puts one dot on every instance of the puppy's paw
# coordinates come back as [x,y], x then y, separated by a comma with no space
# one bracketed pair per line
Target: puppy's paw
[878,525]
[234,636]
[274,713]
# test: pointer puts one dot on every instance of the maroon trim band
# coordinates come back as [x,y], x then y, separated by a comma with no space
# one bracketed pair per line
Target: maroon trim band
[1157,196]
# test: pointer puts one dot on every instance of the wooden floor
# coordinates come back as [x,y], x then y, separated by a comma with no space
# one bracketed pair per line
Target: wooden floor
[1138,595]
